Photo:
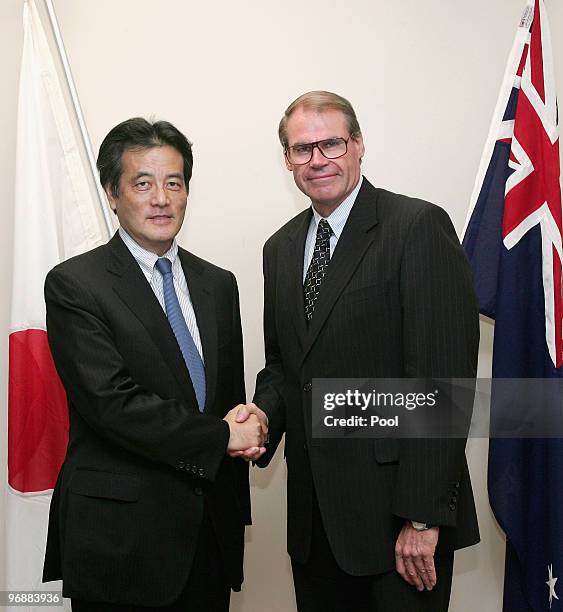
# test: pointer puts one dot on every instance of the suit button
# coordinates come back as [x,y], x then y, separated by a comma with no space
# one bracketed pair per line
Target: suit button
[307,387]
[198,490]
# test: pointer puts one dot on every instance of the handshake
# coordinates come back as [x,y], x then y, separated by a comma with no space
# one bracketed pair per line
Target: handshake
[248,427]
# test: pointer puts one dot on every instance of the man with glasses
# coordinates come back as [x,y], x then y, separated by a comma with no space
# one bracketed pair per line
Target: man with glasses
[364,283]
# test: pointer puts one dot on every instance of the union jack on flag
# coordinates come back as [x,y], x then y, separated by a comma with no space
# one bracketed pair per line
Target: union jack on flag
[513,240]
[533,194]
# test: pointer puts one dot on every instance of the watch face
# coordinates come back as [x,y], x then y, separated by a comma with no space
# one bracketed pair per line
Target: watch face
[419,526]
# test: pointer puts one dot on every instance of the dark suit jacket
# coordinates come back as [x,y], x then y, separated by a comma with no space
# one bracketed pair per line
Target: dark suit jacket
[141,459]
[397,301]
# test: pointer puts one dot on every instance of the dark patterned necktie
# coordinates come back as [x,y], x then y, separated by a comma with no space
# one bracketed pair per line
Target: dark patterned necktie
[317,267]
[180,328]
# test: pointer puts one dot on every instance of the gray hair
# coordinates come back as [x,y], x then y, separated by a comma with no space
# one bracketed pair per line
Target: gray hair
[320,101]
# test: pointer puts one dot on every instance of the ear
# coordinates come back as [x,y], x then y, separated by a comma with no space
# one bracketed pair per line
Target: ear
[112,200]
[359,140]
[287,162]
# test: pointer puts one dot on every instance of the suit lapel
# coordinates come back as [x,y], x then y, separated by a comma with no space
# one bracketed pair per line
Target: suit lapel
[293,268]
[201,296]
[356,237]
[133,289]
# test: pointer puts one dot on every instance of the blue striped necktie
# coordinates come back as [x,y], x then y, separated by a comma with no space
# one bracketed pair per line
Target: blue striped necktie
[181,331]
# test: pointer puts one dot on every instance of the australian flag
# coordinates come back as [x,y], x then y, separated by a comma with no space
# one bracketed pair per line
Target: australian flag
[513,240]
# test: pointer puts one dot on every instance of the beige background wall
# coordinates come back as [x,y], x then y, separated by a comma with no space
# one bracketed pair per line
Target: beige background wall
[423,77]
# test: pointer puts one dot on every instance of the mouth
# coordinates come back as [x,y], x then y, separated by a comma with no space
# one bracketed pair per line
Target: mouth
[160,219]
[321,178]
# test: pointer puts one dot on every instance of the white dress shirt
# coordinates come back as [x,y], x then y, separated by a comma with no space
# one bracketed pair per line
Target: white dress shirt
[337,220]
[147,260]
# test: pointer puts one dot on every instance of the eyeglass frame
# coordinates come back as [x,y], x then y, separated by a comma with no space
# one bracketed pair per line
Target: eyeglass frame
[316,144]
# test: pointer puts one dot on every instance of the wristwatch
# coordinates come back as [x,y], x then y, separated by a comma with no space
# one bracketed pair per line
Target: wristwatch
[421,526]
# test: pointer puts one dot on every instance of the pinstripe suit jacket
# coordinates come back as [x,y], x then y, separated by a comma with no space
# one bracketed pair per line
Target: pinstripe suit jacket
[397,301]
[141,459]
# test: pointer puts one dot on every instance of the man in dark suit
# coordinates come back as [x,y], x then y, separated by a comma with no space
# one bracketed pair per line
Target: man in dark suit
[364,284]
[149,509]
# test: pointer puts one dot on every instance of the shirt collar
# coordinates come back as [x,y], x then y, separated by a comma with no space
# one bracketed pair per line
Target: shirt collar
[147,259]
[338,217]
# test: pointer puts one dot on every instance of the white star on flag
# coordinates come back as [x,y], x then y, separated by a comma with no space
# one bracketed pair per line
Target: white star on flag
[551,584]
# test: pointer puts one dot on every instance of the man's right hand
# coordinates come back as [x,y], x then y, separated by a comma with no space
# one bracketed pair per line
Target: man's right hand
[247,437]
[244,412]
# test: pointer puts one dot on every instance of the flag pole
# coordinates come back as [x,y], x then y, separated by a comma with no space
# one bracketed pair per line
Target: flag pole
[79,115]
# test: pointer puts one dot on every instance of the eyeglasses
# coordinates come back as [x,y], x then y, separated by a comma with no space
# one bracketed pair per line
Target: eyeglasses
[331,148]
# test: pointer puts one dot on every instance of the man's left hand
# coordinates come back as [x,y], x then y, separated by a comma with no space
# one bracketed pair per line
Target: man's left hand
[414,556]
[243,412]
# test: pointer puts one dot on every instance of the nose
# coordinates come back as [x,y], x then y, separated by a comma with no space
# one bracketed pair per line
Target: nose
[317,158]
[160,196]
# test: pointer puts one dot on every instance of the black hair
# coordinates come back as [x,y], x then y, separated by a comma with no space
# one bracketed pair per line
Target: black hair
[136,134]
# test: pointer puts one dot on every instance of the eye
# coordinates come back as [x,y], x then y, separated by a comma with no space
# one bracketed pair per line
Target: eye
[142,185]
[175,185]
[330,143]
[301,149]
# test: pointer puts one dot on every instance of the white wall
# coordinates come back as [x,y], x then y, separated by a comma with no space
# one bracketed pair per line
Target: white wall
[423,77]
